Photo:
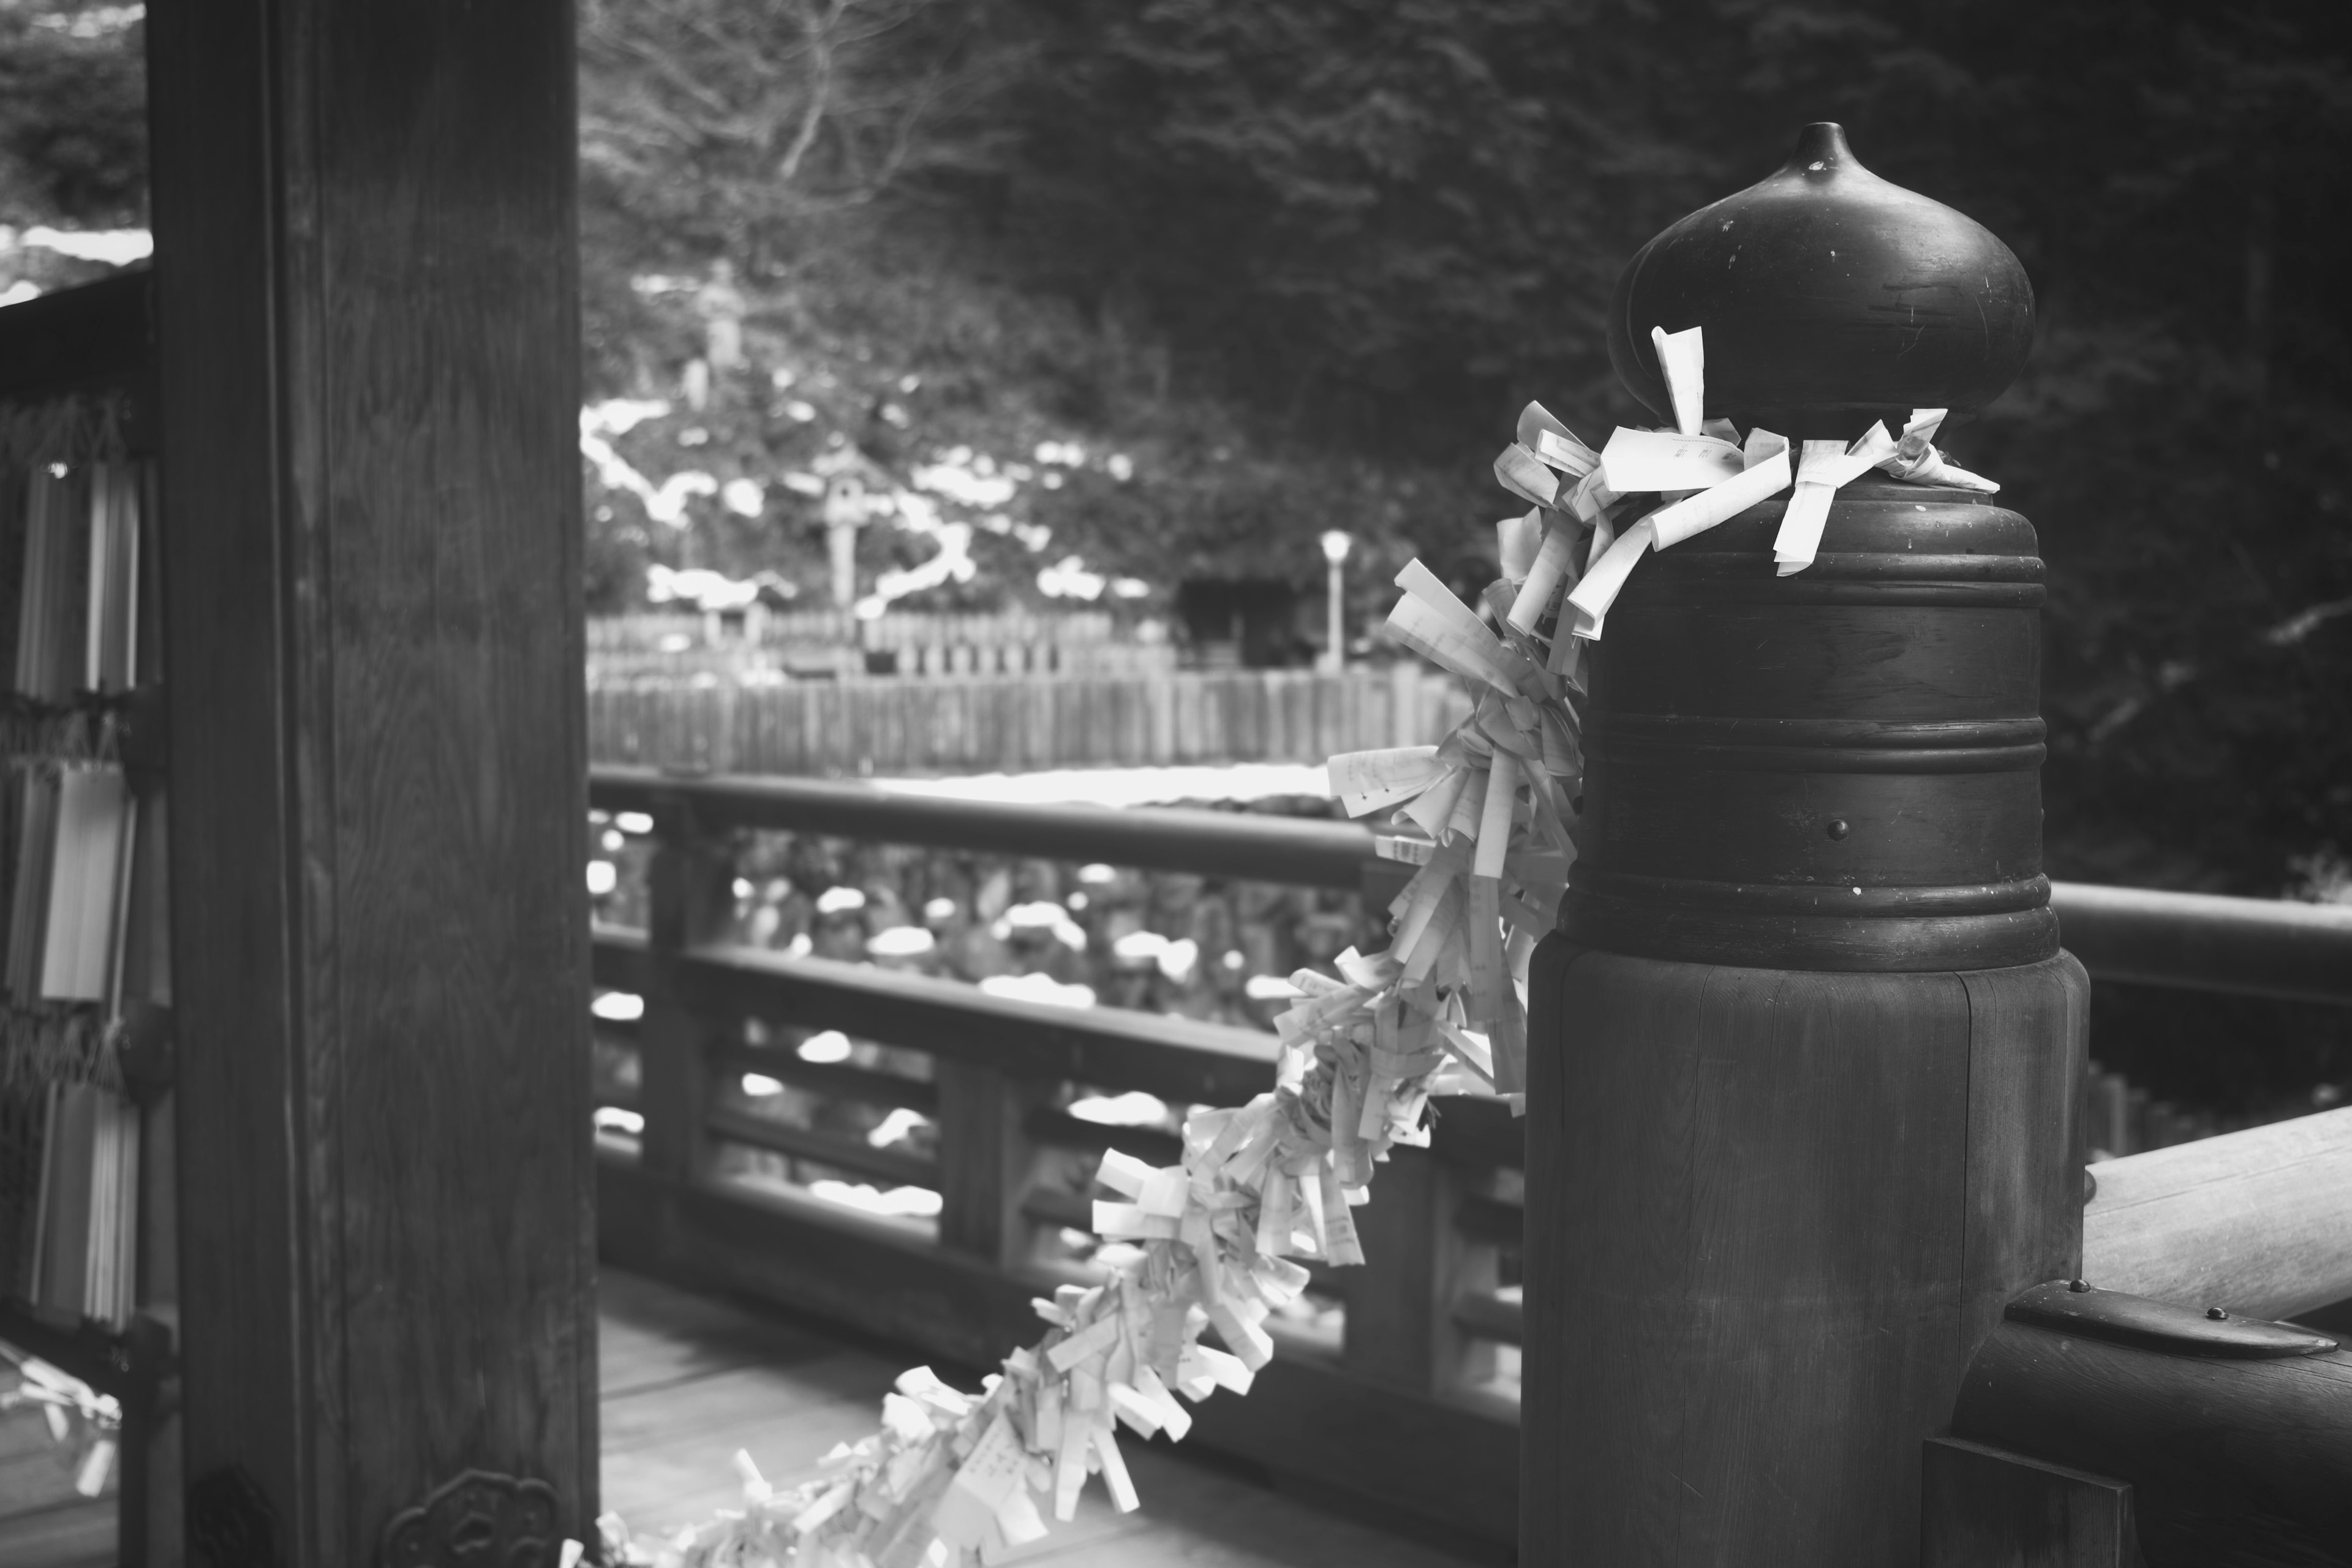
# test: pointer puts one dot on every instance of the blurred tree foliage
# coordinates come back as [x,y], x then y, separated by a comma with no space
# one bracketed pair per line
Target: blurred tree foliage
[73,114]
[1365,231]
[1305,261]
[1384,226]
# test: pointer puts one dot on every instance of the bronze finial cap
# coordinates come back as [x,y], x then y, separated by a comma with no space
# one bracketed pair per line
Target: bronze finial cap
[1830,298]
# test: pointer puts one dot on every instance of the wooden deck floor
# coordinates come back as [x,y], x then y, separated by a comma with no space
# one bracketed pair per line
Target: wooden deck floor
[687,1379]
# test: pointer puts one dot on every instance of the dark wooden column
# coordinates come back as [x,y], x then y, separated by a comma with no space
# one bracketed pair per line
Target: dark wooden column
[1803,1052]
[365,256]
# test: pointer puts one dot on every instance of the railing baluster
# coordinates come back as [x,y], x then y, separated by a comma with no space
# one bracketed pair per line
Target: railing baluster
[1401,1327]
[986,1159]
[689,886]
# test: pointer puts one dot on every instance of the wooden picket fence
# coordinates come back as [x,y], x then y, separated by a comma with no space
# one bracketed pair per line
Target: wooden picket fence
[981,724]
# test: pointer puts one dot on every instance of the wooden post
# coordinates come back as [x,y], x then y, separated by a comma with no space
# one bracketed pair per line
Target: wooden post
[1804,1052]
[1417,1264]
[986,1161]
[689,886]
[368,349]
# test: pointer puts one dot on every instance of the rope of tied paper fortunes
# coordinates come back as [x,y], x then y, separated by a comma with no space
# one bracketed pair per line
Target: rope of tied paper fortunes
[953,1476]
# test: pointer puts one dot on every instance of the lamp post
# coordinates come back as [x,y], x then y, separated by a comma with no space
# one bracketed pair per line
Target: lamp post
[1335,545]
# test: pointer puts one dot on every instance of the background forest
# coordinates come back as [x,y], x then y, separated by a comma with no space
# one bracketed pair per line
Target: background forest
[1258,271]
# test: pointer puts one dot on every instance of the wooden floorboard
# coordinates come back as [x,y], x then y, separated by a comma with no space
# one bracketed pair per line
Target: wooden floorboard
[689,1379]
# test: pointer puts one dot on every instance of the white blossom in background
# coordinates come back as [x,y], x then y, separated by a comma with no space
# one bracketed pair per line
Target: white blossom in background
[94,23]
[743,497]
[619,416]
[665,502]
[706,590]
[1068,454]
[1033,536]
[1038,988]
[1069,579]
[1120,467]
[1131,587]
[1132,1109]
[114,247]
[964,481]
[953,562]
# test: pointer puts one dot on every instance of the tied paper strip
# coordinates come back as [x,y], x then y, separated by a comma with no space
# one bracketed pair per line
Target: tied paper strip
[1917,461]
[1765,475]
[1682,358]
[1827,465]
[1637,460]
[1555,443]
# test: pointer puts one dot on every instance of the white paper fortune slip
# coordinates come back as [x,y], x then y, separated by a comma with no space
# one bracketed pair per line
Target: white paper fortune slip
[1367,781]
[1591,497]
[1917,461]
[1765,475]
[1598,590]
[982,1482]
[1554,563]
[1444,630]
[1542,434]
[1517,540]
[1523,474]
[1827,465]
[1662,460]
[1683,357]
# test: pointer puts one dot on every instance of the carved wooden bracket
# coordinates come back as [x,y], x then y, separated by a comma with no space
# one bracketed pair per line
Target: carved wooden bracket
[478,1520]
[230,1521]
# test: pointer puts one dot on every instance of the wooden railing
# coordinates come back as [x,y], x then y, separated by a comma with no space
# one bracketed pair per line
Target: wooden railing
[1403,1401]
[1401,1404]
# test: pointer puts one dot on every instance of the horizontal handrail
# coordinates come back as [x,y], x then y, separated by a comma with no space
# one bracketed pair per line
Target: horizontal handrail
[1180,1060]
[828,1148]
[2261,947]
[2255,947]
[1243,845]
[846,1082]
[1176,1059]
[2258,1221]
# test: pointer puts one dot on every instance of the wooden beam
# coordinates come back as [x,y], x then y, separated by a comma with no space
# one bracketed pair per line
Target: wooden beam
[1982,1507]
[2258,1221]
[368,343]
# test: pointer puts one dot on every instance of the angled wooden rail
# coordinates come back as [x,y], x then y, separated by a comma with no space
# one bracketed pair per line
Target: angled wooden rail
[2257,1221]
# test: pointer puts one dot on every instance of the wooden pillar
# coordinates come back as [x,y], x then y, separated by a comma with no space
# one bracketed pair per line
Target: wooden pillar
[1804,1052]
[365,259]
